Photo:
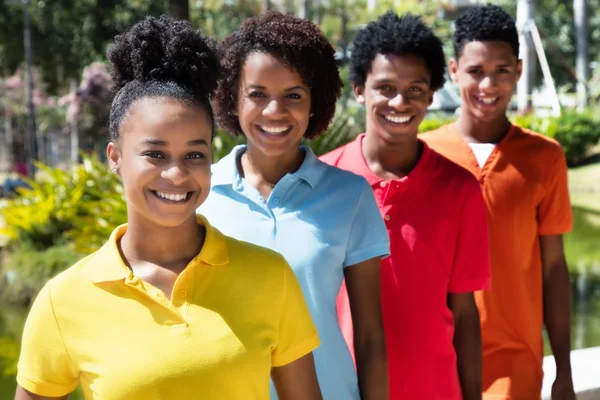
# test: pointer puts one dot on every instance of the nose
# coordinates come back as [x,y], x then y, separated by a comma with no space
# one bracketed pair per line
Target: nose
[176,172]
[274,108]
[397,101]
[488,82]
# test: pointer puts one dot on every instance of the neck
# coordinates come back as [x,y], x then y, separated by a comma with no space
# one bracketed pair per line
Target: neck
[391,160]
[168,247]
[268,170]
[477,131]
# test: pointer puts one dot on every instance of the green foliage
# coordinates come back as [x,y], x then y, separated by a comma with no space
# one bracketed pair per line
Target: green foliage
[577,132]
[434,122]
[26,269]
[343,129]
[60,204]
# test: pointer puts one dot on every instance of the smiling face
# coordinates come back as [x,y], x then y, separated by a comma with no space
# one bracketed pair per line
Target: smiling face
[273,106]
[396,95]
[487,74]
[163,155]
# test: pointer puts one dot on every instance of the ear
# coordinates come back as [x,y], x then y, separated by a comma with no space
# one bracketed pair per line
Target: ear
[359,93]
[430,98]
[453,70]
[113,155]
[519,69]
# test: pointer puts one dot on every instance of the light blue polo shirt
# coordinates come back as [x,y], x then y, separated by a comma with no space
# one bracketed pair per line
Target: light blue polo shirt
[321,219]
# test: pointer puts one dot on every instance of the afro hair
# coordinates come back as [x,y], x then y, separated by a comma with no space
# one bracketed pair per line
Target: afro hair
[299,44]
[400,36]
[482,23]
[161,57]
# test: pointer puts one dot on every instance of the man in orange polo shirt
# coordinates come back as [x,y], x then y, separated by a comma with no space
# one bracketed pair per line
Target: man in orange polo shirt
[523,176]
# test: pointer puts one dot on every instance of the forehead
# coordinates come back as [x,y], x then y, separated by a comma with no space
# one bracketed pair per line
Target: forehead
[391,66]
[160,116]
[266,68]
[487,52]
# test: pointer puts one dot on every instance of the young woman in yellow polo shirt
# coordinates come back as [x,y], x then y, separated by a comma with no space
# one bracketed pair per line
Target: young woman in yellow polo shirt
[168,308]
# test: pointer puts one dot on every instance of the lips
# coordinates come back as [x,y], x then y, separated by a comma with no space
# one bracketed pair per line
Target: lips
[274,130]
[398,119]
[487,100]
[172,197]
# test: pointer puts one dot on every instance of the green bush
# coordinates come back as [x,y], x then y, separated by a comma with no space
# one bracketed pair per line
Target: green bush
[434,122]
[65,205]
[577,132]
[25,269]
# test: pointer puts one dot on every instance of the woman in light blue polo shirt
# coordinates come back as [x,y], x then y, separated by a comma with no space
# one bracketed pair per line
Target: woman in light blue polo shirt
[280,85]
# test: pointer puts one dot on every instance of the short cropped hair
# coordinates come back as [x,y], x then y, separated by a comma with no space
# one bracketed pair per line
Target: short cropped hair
[399,36]
[481,23]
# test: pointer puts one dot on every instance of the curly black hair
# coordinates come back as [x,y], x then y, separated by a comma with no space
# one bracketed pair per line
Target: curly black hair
[298,43]
[161,57]
[400,36]
[481,23]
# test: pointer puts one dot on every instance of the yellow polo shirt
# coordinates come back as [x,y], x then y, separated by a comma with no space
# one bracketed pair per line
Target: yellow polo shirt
[236,311]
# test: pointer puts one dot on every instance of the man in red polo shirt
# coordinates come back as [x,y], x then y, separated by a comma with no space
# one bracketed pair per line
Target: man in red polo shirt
[434,211]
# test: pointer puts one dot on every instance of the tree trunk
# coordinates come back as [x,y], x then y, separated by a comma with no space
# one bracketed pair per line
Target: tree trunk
[526,15]
[580,11]
[179,9]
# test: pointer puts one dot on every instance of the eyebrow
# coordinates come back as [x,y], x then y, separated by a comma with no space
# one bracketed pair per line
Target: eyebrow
[418,80]
[287,90]
[162,143]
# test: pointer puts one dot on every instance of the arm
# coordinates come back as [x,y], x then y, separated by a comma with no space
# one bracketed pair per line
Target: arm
[557,312]
[23,394]
[467,343]
[363,283]
[297,380]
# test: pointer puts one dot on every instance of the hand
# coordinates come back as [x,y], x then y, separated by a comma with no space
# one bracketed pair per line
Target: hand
[562,389]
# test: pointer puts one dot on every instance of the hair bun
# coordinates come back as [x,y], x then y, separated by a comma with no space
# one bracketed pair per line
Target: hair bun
[165,49]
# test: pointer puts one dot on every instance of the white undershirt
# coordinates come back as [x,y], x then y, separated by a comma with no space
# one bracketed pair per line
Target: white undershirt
[482,151]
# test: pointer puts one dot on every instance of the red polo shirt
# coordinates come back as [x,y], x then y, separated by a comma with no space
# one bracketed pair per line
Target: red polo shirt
[436,219]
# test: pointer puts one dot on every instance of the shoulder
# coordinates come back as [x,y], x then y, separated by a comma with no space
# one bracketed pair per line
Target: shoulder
[68,282]
[248,255]
[456,180]
[544,147]
[441,135]
[334,156]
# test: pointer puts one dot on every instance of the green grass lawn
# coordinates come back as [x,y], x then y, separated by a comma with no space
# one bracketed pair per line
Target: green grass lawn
[584,184]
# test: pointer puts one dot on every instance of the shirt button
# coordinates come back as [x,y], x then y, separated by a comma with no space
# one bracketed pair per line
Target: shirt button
[383,184]
[183,293]
[387,217]
[275,201]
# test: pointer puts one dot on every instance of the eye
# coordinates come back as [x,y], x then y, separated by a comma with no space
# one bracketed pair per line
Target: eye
[475,71]
[256,94]
[196,156]
[415,89]
[384,88]
[294,96]
[154,154]
[503,71]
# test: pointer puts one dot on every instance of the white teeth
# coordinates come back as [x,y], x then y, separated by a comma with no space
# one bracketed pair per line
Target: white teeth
[488,100]
[171,196]
[398,120]
[274,129]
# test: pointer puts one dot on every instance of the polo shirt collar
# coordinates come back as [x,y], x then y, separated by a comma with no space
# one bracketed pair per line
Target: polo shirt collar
[107,264]
[225,172]
[354,161]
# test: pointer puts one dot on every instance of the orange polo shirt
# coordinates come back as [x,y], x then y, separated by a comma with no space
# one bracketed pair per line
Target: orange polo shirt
[524,184]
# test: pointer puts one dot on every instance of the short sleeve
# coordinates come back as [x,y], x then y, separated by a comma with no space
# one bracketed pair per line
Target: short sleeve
[297,332]
[471,269]
[368,236]
[45,367]
[554,211]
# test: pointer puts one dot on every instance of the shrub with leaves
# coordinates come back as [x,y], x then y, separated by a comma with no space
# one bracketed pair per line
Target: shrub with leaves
[64,205]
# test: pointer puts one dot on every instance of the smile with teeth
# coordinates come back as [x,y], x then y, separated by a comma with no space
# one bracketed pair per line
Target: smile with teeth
[487,100]
[274,130]
[172,196]
[397,119]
